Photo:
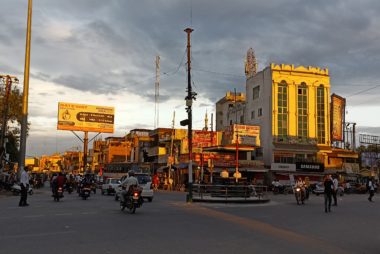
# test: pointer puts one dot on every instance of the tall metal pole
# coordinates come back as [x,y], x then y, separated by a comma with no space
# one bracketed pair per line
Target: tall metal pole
[237,142]
[157,95]
[85,150]
[189,103]
[171,147]
[24,120]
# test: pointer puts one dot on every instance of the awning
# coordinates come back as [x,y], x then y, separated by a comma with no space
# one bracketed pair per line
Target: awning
[231,170]
[166,168]
[229,148]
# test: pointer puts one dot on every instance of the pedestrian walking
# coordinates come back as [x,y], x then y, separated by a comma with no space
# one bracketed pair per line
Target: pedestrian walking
[24,184]
[328,184]
[335,190]
[371,188]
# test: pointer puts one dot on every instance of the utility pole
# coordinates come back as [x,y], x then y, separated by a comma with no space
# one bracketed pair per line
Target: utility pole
[24,120]
[189,102]
[237,142]
[171,161]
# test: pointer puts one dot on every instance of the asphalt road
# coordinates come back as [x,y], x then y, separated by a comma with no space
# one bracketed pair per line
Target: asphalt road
[170,225]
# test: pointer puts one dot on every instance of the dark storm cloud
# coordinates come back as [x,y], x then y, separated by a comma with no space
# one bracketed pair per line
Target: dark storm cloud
[127,35]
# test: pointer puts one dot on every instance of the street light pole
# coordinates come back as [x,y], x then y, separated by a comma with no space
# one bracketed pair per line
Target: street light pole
[189,102]
[236,142]
[24,120]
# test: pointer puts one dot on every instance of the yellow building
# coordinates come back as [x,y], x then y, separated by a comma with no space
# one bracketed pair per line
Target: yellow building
[292,106]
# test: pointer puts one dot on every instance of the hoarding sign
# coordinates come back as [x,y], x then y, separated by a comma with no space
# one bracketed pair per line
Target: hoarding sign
[337,117]
[247,135]
[81,117]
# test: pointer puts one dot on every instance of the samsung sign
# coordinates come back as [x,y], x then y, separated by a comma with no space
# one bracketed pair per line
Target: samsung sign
[310,167]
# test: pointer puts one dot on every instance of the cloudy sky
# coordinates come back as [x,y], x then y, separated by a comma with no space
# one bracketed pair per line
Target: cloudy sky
[103,52]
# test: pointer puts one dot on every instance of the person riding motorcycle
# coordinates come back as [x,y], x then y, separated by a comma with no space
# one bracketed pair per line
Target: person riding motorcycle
[129,182]
[85,182]
[301,184]
[56,182]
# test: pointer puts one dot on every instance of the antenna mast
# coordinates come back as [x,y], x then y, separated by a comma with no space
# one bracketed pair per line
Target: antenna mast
[157,94]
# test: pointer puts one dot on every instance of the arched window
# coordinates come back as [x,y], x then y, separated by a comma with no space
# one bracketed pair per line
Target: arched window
[302,111]
[282,104]
[321,132]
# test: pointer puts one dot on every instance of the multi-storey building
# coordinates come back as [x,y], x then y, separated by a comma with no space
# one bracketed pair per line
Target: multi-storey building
[292,107]
[230,110]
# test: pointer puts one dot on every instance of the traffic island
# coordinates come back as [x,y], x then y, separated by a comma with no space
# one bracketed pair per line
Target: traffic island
[229,194]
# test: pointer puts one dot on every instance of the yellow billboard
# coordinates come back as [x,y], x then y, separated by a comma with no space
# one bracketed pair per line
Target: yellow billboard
[337,114]
[81,117]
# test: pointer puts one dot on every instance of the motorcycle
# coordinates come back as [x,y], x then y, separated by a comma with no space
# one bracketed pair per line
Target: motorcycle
[133,201]
[93,188]
[300,195]
[69,188]
[58,194]
[85,192]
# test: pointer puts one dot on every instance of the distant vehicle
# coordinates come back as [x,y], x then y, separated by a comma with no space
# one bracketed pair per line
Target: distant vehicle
[110,186]
[145,182]
[320,189]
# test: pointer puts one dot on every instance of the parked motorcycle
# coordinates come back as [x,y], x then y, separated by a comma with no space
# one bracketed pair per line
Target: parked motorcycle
[300,195]
[85,192]
[58,194]
[133,201]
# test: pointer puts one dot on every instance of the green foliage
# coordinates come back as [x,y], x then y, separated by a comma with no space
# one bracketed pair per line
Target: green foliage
[14,118]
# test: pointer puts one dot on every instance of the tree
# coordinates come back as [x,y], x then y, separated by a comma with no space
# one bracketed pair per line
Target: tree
[14,118]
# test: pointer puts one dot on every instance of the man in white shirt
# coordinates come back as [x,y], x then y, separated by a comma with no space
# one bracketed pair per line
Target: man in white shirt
[24,184]
[371,187]
[131,180]
[335,190]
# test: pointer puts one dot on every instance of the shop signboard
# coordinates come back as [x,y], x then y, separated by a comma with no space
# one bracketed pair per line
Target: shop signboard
[310,167]
[283,167]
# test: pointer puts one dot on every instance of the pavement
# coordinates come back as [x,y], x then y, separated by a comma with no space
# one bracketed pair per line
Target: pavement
[170,225]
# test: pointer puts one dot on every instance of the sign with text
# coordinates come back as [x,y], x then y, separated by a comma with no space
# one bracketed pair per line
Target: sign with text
[337,117]
[247,135]
[310,167]
[81,117]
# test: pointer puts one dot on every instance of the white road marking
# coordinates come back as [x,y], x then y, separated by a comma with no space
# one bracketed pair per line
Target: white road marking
[63,214]
[34,216]
[36,235]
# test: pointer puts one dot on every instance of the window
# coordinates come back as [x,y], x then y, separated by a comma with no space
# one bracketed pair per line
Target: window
[253,114]
[242,119]
[230,122]
[256,92]
[282,104]
[260,112]
[321,134]
[302,111]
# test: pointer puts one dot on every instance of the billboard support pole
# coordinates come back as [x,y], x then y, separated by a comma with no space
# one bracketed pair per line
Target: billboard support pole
[85,149]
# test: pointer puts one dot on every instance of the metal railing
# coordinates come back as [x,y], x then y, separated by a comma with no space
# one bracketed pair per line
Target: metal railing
[242,192]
